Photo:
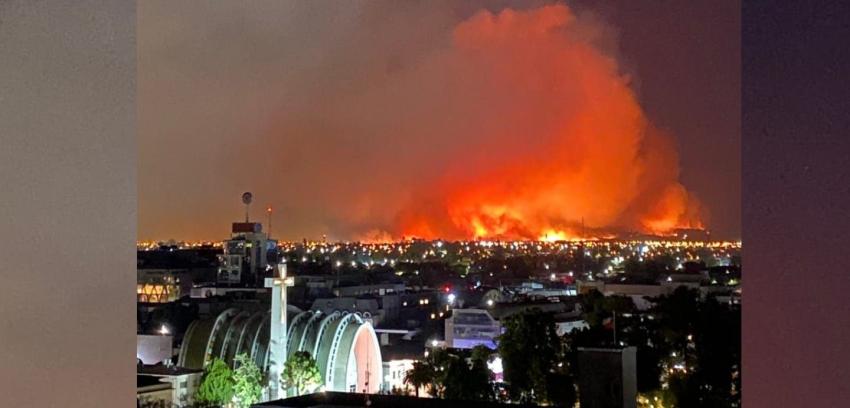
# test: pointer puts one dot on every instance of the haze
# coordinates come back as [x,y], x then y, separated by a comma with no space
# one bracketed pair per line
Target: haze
[376,120]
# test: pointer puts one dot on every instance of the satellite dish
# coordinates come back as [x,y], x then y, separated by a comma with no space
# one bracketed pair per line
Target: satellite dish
[246,198]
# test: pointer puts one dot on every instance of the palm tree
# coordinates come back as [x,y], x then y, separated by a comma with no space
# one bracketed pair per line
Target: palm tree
[418,376]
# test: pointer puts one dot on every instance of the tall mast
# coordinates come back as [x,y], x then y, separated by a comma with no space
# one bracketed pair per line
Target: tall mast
[269,211]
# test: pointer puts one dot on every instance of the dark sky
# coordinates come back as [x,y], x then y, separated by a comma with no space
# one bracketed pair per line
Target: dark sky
[235,97]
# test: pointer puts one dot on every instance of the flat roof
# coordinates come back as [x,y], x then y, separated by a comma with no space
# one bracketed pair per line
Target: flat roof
[146,383]
[161,370]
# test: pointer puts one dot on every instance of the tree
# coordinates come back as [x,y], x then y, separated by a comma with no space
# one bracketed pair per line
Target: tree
[717,350]
[656,398]
[216,387]
[465,381]
[431,372]
[418,376]
[481,353]
[457,382]
[449,375]
[247,382]
[597,307]
[560,389]
[481,378]
[439,361]
[677,314]
[688,348]
[301,373]
[705,335]
[530,349]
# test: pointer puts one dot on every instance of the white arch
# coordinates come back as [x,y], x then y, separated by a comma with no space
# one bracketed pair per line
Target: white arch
[230,334]
[374,378]
[334,348]
[220,321]
[243,342]
[305,335]
[319,333]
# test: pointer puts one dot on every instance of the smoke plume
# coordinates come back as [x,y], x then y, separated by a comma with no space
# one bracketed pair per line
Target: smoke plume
[501,124]
[545,135]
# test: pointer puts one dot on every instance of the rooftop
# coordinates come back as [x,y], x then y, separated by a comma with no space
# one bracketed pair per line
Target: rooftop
[161,370]
[146,384]
[343,399]
[402,350]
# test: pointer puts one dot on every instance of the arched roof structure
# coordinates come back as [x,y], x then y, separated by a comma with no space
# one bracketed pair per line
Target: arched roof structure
[344,344]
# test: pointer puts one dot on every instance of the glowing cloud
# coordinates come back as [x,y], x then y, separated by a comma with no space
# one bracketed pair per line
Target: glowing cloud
[562,139]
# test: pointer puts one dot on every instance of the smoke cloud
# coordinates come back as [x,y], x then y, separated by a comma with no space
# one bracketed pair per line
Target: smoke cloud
[560,139]
[500,122]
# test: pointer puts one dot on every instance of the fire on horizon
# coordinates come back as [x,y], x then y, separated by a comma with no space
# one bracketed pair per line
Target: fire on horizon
[598,161]
[523,125]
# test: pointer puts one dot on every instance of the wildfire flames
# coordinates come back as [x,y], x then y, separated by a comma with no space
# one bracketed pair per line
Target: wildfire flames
[567,150]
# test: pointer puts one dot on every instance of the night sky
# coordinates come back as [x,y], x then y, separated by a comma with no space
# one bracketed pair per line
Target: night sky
[333,114]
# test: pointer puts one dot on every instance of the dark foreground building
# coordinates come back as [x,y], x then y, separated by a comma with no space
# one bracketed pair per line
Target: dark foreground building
[608,377]
[342,399]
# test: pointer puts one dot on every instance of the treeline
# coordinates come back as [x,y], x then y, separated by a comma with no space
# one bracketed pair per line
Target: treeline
[688,354]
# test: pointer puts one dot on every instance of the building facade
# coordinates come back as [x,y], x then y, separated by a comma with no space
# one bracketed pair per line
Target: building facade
[467,328]
[167,386]
[248,255]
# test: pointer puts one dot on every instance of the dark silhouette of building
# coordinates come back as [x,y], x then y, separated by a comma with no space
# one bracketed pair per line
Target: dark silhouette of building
[607,377]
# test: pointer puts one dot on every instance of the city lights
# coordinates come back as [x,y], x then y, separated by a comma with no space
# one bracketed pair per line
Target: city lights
[502,162]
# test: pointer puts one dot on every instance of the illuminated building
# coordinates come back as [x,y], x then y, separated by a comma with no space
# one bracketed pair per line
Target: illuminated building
[467,328]
[247,255]
[566,326]
[394,373]
[166,386]
[160,285]
[154,348]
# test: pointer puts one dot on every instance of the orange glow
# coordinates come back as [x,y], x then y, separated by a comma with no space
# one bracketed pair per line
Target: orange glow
[376,236]
[573,145]
[554,236]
